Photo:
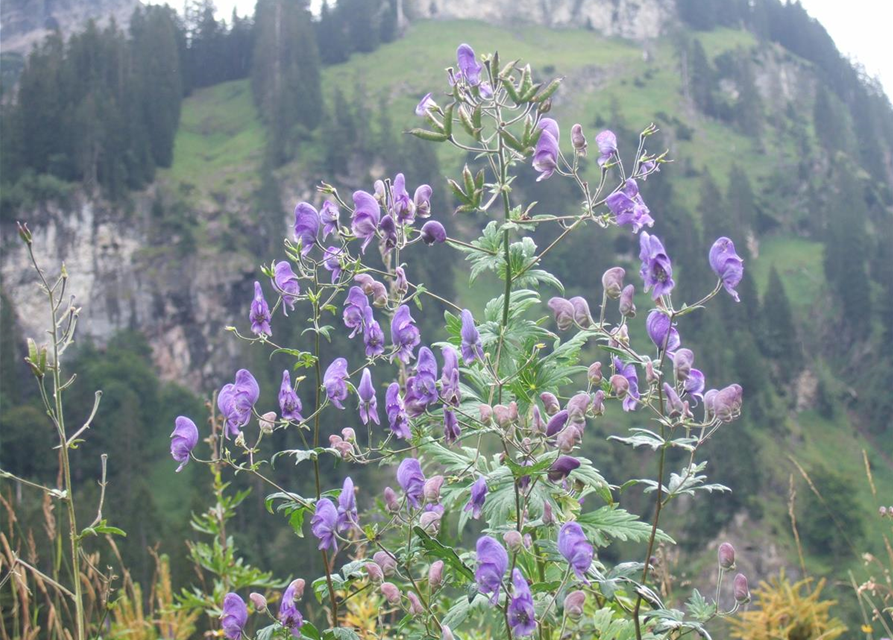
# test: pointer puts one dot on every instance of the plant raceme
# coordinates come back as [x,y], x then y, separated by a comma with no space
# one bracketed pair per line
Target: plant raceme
[504,380]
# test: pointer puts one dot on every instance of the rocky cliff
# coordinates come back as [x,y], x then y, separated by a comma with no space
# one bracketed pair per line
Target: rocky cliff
[24,23]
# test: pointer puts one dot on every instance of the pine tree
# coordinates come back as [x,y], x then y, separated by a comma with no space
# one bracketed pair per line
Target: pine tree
[779,336]
[742,208]
[362,21]
[701,79]
[330,27]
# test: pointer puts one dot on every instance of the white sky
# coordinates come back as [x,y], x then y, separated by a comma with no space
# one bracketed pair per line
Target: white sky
[860,28]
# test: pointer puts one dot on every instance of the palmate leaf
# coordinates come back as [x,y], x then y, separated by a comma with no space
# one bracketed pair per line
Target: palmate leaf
[434,548]
[608,523]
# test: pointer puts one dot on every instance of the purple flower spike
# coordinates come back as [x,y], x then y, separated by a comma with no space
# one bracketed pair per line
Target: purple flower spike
[471,339]
[606,142]
[469,68]
[522,617]
[573,545]
[396,410]
[183,440]
[629,372]
[289,616]
[421,388]
[404,334]
[449,379]
[287,283]
[629,208]
[425,105]
[332,262]
[347,506]
[388,230]
[662,333]
[354,310]
[478,495]
[562,468]
[306,226]
[373,336]
[412,480]
[492,563]
[366,217]
[451,430]
[289,402]
[433,233]
[422,200]
[727,265]
[401,203]
[657,271]
[335,382]
[324,523]
[368,401]
[236,400]
[260,313]
[329,215]
[235,616]
[545,158]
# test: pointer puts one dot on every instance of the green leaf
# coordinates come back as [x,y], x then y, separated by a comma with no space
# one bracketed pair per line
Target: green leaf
[305,359]
[437,549]
[608,523]
[341,634]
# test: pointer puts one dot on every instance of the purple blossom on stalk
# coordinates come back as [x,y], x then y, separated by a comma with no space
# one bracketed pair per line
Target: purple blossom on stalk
[471,339]
[234,617]
[449,379]
[656,271]
[433,233]
[683,360]
[607,146]
[329,215]
[332,262]
[335,382]
[388,230]
[396,410]
[662,333]
[629,372]
[365,219]
[412,480]
[627,302]
[492,563]
[404,334]
[425,105]
[563,311]
[421,388]
[236,400]
[478,495]
[422,200]
[740,589]
[287,283]
[306,226]
[183,440]
[373,336]
[674,402]
[400,282]
[562,468]
[347,506]
[727,265]
[545,158]
[451,430]
[354,310]
[401,203]
[573,545]
[522,617]
[469,68]
[260,313]
[629,208]
[324,523]
[289,402]
[368,401]
[556,423]
[695,383]
[726,556]
[289,616]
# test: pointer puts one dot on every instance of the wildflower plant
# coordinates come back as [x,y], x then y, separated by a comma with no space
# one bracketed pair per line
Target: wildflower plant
[510,380]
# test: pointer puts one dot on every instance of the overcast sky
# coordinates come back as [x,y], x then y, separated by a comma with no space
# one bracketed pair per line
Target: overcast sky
[861,29]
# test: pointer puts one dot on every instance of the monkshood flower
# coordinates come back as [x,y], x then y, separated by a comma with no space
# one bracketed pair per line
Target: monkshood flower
[740,589]
[451,429]
[578,140]
[545,158]
[332,262]
[578,406]
[388,230]
[522,617]
[627,303]
[373,336]
[183,440]
[306,226]
[449,379]
[396,410]
[657,271]
[607,146]
[234,617]
[400,282]
[486,90]
[661,331]
[335,382]
[573,604]
[629,372]
[425,105]
[582,316]
[415,605]
[726,556]
[289,616]
[469,68]
[629,208]
[562,468]
[471,339]
[421,199]
[289,402]
[412,480]
[573,545]
[368,401]
[347,506]
[329,215]
[260,313]
[433,233]
[401,204]
[404,334]
[236,400]
[563,311]
[683,360]
[695,383]
[354,310]
[556,423]
[550,403]
[432,488]
[727,265]
[324,524]
[478,495]
[364,222]
[421,388]
[287,283]
[612,281]
[725,404]
[435,574]
[492,563]
[674,402]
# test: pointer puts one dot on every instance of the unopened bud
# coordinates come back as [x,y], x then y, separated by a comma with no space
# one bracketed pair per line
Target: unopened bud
[415,605]
[365,281]
[683,360]
[595,374]
[627,305]
[742,593]
[374,572]
[650,376]
[619,385]
[267,421]
[674,402]
[390,592]
[298,584]
[503,415]
[573,604]
[513,540]
[563,311]
[582,316]
[386,562]
[726,556]
[537,424]
[430,522]
[612,281]
[882,511]
[446,633]
[24,232]
[435,574]
[550,403]
[431,489]
[548,518]
[379,294]
[486,412]
[619,337]
[578,139]
[390,499]
[259,602]
[401,283]
[349,434]
[598,403]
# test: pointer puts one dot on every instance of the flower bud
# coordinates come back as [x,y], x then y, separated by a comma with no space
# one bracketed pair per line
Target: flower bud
[595,374]
[433,233]
[24,232]
[612,281]
[435,574]
[374,572]
[882,511]
[742,593]
[513,411]
[566,440]
[573,604]
[365,281]
[578,139]
[349,434]
[598,403]
[390,592]
[379,294]
[386,562]
[650,376]
[619,385]
[726,556]
[563,311]
[683,360]
[503,415]
[259,602]
[430,522]
[727,403]
[298,584]
[401,283]
[619,337]
[513,540]
[550,403]
[432,487]
[537,424]
[345,449]
[415,605]
[674,402]
[582,316]
[627,305]
[577,407]
[267,421]
[548,518]
[486,412]
[390,499]
[447,634]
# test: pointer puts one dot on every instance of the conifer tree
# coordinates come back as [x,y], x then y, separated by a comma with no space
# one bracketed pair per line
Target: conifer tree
[779,339]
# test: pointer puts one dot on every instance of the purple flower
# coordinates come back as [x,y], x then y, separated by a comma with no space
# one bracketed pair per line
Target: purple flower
[332,261]
[727,265]
[556,423]
[629,372]
[388,230]
[674,402]
[183,440]
[469,68]
[234,617]
[373,336]
[289,616]
[522,617]
[421,388]
[404,334]
[396,410]
[424,105]
[726,556]
[562,468]
[545,158]
[449,379]
[289,402]
[260,313]
[657,271]
[412,480]
[324,523]
[364,222]
[578,139]
[695,383]
[287,283]
[368,401]
[401,203]
[660,330]
[740,589]
[471,339]
[329,215]
[627,302]
[492,563]
[347,506]
[400,282]
[629,208]
[433,233]
[573,545]
[421,199]
[335,382]
[478,495]
[607,146]
[724,404]
[451,430]
[582,316]
[563,311]
[683,360]
[355,310]
[306,226]
[236,400]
